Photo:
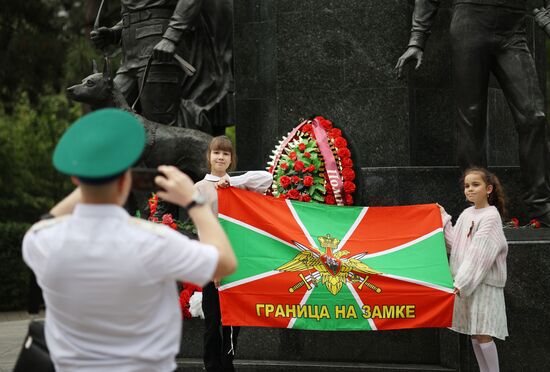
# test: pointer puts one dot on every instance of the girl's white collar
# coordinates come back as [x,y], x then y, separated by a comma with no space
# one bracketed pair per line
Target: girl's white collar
[211,178]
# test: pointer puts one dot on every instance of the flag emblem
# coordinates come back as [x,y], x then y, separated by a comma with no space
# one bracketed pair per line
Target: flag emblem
[332,268]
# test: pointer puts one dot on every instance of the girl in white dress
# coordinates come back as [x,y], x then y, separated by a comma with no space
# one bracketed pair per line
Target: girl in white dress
[478,264]
[220,342]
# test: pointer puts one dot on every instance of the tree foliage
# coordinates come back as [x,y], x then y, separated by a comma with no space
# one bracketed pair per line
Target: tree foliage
[45,49]
[29,185]
[45,45]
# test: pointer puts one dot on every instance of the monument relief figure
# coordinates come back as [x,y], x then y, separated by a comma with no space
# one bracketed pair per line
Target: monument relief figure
[198,31]
[488,36]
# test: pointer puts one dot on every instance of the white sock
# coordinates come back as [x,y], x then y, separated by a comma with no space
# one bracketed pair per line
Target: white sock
[479,356]
[489,350]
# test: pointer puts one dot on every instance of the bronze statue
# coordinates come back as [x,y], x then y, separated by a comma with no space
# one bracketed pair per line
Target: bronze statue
[542,17]
[167,31]
[489,36]
[181,147]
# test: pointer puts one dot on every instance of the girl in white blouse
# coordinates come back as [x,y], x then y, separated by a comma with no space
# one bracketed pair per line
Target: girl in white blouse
[220,342]
[478,264]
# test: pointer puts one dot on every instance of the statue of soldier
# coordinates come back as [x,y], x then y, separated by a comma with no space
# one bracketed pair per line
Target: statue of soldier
[489,36]
[160,29]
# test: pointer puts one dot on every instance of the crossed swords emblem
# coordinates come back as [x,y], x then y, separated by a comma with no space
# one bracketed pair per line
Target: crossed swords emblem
[331,268]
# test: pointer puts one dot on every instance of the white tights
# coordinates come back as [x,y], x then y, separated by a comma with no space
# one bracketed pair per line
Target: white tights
[486,355]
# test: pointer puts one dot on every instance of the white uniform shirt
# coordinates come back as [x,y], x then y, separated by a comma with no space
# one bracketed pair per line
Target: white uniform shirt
[109,286]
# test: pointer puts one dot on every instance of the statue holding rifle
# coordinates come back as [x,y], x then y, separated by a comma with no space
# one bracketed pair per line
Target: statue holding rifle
[168,33]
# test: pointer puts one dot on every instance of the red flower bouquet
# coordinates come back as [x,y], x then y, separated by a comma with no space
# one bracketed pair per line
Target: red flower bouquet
[168,220]
[186,293]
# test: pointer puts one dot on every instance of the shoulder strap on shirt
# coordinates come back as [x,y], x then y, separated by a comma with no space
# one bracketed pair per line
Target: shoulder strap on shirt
[48,222]
[155,228]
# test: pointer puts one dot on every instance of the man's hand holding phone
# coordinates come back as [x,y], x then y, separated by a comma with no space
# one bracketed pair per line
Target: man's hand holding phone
[143,179]
[174,186]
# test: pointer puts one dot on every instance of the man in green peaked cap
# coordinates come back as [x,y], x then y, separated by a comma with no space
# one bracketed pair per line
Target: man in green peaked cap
[100,146]
[109,279]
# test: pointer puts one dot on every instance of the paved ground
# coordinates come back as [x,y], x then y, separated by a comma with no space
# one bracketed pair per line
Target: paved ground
[13,328]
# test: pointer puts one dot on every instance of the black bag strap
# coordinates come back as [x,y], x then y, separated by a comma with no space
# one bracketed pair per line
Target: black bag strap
[35,297]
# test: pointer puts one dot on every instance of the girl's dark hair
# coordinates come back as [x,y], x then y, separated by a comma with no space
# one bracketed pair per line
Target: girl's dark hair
[497,196]
[222,143]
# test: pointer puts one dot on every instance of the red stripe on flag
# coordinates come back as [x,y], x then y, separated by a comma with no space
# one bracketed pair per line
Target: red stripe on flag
[249,207]
[388,227]
[238,304]
[431,307]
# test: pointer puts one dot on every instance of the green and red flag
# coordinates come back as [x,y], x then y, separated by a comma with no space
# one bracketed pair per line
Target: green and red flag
[323,267]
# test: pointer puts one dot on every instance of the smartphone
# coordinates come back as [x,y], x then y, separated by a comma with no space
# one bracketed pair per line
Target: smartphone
[143,179]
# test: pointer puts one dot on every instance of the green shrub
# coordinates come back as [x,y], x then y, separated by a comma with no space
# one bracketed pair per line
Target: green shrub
[13,271]
[29,185]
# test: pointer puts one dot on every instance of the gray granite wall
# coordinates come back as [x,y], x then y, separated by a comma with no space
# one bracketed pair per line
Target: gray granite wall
[333,58]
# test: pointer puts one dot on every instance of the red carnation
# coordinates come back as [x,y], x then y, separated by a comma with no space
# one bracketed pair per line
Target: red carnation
[284,181]
[298,166]
[184,304]
[153,202]
[185,295]
[308,181]
[534,223]
[306,198]
[328,187]
[329,199]
[348,174]
[344,153]
[308,128]
[325,123]
[284,166]
[270,170]
[347,163]
[301,147]
[167,219]
[311,168]
[515,222]
[295,179]
[349,200]
[293,194]
[340,142]
[349,187]
[292,155]
[307,154]
[335,133]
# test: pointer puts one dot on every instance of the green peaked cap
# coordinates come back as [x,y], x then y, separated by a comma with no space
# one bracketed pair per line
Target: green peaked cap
[100,144]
